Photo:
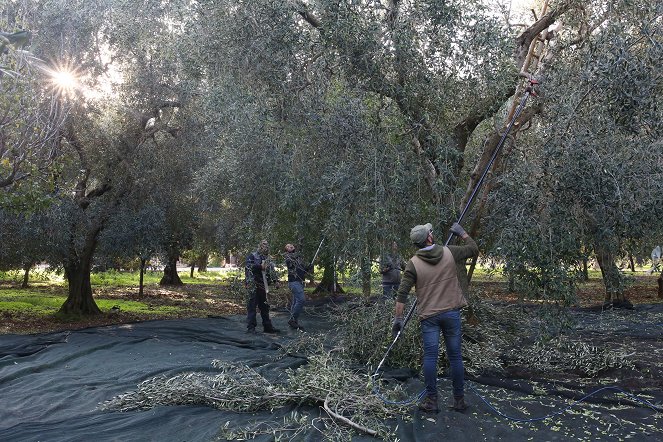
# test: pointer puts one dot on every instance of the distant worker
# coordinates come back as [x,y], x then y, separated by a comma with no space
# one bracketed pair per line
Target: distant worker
[439,277]
[297,272]
[259,272]
[391,265]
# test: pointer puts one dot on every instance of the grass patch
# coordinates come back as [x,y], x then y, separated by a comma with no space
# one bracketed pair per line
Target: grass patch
[42,303]
[113,278]
[136,307]
[34,302]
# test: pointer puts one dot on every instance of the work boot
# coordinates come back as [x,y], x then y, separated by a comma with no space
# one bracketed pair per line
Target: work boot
[294,324]
[607,305]
[429,404]
[270,329]
[459,404]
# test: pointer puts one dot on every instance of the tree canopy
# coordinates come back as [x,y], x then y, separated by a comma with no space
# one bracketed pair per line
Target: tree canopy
[211,124]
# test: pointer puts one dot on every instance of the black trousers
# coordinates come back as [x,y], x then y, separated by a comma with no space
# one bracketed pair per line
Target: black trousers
[257,300]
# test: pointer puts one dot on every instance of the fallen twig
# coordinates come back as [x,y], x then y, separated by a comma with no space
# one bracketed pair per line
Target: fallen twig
[347,421]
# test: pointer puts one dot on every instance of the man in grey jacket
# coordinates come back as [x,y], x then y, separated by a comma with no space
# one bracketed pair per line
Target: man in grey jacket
[440,280]
[391,265]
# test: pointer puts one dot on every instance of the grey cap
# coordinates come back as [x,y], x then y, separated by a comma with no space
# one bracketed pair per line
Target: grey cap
[419,233]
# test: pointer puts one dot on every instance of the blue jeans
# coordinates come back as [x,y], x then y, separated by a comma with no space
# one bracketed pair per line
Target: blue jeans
[449,324]
[297,289]
[389,290]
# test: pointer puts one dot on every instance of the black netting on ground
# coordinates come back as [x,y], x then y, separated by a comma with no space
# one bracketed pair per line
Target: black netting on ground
[51,386]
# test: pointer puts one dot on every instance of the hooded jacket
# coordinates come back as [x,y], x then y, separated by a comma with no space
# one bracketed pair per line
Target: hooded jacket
[442,284]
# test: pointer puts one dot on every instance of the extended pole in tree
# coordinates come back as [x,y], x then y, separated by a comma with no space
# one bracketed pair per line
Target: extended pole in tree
[318,251]
[529,91]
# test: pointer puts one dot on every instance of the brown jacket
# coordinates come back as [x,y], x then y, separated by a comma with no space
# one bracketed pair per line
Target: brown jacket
[439,277]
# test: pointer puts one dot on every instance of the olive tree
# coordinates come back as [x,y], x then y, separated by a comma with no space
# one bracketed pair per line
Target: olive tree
[113,146]
[589,177]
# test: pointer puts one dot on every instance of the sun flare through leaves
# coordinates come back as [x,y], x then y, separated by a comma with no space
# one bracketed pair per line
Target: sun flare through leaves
[64,79]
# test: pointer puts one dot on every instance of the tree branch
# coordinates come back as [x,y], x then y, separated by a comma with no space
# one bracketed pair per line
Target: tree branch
[347,421]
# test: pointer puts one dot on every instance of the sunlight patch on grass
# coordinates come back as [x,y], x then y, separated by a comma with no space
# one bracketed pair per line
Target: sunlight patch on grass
[123,279]
[28,300]
[28,306]
[135,307]
[40,303]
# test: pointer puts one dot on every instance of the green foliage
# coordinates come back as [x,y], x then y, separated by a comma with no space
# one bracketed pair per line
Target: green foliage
[230,122]
[366,333]
[589,177]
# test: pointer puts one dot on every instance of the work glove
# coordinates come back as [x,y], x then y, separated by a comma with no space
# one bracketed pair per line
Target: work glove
[457,229]
[397,326]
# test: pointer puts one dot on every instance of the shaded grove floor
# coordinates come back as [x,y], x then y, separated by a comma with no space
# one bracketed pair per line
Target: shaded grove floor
[51,384]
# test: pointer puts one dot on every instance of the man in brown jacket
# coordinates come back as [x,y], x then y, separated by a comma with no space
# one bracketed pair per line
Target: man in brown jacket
[440,280]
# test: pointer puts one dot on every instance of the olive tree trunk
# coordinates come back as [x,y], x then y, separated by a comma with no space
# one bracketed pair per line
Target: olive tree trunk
[77,271]
[329,282]
[612,277]
[202,262]
[26,274]
[170,276]
[143,261]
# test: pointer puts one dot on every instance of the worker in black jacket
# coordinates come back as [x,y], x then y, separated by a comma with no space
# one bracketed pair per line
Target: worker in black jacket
[259,272]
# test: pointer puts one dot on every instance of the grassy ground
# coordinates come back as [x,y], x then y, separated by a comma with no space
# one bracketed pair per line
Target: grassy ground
[34,310]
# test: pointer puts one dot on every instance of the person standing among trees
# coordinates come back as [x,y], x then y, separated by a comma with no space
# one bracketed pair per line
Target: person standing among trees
[439,277]
[259,272]
[297,272]
[391,265]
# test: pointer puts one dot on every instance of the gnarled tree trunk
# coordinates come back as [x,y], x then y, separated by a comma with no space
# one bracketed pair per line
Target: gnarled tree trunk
[77,271]
[170,276]
[329,283]
[26,274]
[612,277]
[202,262]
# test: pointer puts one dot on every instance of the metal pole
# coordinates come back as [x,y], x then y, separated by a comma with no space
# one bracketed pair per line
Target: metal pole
[317,251]
[519,110]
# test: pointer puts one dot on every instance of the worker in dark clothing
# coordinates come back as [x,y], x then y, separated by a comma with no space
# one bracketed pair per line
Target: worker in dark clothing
[391,265]
[297,272]
[259,272]
[439,278]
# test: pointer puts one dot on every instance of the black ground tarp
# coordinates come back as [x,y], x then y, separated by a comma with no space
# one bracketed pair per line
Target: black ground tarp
[51,386]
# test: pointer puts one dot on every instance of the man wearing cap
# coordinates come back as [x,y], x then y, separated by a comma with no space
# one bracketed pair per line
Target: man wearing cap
[440,280]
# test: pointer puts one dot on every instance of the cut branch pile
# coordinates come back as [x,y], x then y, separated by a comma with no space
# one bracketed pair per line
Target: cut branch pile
[366,335]
[563,354]
[343,395]
[325,382]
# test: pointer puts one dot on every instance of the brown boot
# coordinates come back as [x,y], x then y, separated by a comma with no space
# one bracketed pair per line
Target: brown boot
[429,404]
[459,404]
